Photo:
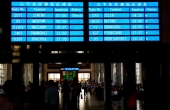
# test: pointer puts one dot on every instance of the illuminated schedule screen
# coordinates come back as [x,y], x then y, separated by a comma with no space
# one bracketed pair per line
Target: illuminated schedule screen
[123,21]
[47,22]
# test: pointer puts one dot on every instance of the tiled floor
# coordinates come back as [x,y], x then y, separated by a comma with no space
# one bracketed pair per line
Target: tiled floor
[92,103]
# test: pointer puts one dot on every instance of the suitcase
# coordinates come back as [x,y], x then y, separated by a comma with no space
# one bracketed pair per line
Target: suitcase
[92,90]
[81,96]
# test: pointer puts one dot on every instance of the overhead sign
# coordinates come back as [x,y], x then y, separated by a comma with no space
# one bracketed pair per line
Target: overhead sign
[47,22]
[123,21]
[70,69]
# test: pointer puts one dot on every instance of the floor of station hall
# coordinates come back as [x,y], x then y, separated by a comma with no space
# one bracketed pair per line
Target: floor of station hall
[90,102]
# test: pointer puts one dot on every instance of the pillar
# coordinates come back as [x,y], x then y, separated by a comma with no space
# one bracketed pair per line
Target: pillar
[152,86]
[138,73]
[98,78]
[26,73]
[122,74]
[40,73]
[143,74]
[30,72]
[140,70]
[9,71]
[102,69]
[165,86]
[5,72]
[36,74]
[93,71]
[44,69]
[17,70]
[118,73]
[107,84]
[96,71]
[129,86]
[101,72]
[35,52]
[112,71]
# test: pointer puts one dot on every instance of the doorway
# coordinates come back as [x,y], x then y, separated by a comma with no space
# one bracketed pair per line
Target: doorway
[54,76]
[83,77]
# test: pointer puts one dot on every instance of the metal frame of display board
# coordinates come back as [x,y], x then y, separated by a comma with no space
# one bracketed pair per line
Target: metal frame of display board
[145,53]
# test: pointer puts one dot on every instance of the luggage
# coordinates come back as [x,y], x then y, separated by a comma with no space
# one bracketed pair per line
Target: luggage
[81,96]
[92,90]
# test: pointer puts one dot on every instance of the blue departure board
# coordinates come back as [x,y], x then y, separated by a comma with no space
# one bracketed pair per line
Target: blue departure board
[47,22]
[123,21]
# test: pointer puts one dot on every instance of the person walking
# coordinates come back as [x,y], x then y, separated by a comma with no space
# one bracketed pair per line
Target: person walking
[85,89]
[51,97]
[66,95]
[75,90]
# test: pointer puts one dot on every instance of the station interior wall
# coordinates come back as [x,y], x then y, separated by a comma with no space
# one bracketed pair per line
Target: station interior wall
[96,72]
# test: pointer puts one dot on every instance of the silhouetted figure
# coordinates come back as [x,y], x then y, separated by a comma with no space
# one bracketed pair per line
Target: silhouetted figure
[85,88]
[9,100]
[42,94]
[51,97]
[56,85]
[28,86]
[66,96]
[79,91]
[34,97]
[75,91]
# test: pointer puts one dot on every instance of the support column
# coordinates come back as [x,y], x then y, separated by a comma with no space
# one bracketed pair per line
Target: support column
[118,73]
[143,74]
[9,77]
[96,70]
[112,72]
[107,84]
[152,86]
[98,75]
[140,70]
[36,74]
[129,86]
[93,72]
[165,86]
[36,65]
[26,73]
[44,68]
[5,72]
[30,72]
[40,73]
[122,74]
[101,72]
[17,70]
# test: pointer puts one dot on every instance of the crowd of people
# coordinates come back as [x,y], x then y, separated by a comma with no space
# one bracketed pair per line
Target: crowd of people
[117,91]
[44,97]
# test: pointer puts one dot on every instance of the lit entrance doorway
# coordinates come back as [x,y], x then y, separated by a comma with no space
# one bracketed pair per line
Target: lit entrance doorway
[54,76]
[83,77]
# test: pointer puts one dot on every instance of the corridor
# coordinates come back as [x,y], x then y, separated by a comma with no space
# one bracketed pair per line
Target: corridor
[90,102]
